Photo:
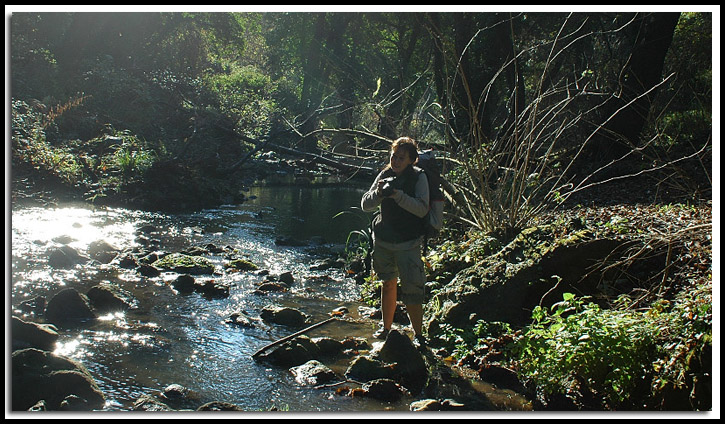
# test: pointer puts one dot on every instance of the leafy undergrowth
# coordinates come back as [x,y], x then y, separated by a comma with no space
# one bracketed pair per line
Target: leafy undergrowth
[646,348]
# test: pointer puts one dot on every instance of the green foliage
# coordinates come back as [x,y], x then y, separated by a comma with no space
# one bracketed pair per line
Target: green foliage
[690,128]
[245,95]
[577,343]
[686,351]
[130,161]
[30,145]
[615,353]
[462,342]
[359,242]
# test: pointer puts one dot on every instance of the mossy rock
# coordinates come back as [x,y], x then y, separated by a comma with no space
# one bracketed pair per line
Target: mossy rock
[178,262]
[242,265]
[535,268]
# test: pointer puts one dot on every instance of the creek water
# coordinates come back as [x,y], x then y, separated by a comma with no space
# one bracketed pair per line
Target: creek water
[184,339]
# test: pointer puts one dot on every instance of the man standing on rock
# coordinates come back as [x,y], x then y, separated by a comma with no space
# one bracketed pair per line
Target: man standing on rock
[401,192]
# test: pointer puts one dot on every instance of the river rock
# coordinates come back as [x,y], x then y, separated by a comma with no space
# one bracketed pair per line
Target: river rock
[40,375]
[184,264]
[196,251]
[355,343]
[40,406]
[289,241]
[384,389]
[241,265]
[325,264]
[108,297]
[63,239]
[102,251]
[65,257]
[148,270]
[74,403]
[287,278]
[328,346]
[184,284]
[35,305]
[126,260]
[284,316]
[29,334]
[69,307]
[212,289]
[365,368]
[149,403]
[180,397]
[292,353]
[313,373]
[151,257]
[271,286]
[410,367]
[213,248]
[241,319]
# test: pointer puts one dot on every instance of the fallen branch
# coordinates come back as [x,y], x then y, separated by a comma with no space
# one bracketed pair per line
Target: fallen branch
[291,336]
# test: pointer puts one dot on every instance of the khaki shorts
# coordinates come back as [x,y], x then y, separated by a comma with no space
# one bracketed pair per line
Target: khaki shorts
[405,264]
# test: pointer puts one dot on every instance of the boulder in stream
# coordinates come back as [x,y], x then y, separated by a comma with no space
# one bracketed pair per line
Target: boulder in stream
[109,297]
[65,257]
[437,405]
[384,389]
[409,365]
[241,265]
[313,373]
[40,375]
[102,251]
[292,353]
[184,264]
[364,368]
[69,307]
[29,334]
[284,316]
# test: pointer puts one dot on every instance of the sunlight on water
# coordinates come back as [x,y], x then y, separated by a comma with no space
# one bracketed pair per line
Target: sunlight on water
[69,348]
[79,226]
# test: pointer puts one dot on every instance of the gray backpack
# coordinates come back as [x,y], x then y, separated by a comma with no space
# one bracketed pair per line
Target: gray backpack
[434,222]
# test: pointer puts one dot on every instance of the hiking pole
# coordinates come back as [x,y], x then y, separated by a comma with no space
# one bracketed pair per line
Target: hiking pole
[292,336]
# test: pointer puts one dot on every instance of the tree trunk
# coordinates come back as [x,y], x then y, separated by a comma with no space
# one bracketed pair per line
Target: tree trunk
[313,82]
[643,71]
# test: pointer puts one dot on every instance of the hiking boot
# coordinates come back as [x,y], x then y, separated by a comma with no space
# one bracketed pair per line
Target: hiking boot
[381,334]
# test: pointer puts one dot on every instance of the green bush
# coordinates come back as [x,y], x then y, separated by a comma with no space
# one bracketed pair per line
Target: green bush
[577,343]
[245,95]
[626,357]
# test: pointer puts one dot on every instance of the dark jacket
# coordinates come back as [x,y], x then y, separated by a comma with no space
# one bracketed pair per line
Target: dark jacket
[395,224]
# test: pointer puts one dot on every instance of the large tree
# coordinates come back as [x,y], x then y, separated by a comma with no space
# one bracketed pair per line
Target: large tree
[627,111]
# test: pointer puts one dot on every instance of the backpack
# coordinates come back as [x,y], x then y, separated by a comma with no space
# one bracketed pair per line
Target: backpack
[434,219]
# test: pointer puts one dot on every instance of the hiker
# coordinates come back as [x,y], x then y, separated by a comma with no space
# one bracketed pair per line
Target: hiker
[401,192]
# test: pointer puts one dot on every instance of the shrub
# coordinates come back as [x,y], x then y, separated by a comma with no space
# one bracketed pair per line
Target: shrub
[625,357]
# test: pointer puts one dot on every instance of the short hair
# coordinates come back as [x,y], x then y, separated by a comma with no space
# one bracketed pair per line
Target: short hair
[408,145]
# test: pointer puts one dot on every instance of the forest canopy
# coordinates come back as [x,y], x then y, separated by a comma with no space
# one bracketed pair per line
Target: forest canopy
[543,105]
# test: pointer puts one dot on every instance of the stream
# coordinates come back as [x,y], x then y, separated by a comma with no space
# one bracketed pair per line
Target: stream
[184,339]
